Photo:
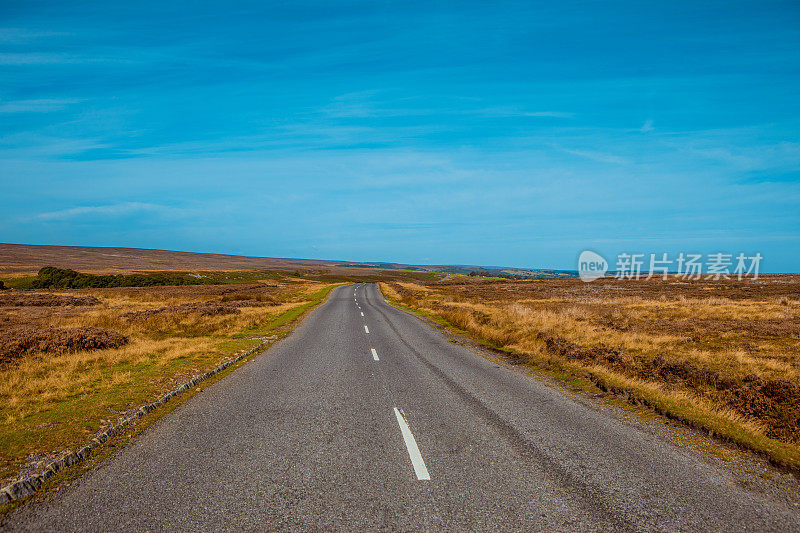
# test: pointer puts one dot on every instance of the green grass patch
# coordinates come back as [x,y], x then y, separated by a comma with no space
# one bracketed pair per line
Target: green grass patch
[25,282]
[289,315]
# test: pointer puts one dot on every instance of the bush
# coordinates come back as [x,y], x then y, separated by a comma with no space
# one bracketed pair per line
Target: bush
[65,278]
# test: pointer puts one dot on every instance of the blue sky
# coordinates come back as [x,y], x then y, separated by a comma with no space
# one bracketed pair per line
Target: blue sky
[437,132]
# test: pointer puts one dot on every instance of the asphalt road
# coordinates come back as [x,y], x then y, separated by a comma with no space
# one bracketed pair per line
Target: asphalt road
[365,418]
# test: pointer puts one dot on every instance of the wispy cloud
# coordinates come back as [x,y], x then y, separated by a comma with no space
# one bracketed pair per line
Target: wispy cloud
[37,146]
[647,126]
[374,104]
[112,210]
[601,157]
[553,114]
[53,58]
[516,111]
[41,105]
[359,104]
[34,58]
[21,35]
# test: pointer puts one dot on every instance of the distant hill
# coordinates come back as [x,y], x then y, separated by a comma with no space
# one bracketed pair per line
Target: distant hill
[29,258]
[24,259]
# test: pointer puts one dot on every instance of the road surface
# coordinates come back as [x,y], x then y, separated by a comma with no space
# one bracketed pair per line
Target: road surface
[366,418]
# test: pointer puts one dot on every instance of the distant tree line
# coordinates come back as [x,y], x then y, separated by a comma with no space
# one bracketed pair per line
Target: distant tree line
[497,275]
[64,278]
[542,275]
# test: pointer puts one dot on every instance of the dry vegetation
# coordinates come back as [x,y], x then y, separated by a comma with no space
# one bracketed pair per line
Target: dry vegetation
[74,361]
[722,355]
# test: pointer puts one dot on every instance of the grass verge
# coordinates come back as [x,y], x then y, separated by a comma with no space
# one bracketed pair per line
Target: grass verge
[117,442]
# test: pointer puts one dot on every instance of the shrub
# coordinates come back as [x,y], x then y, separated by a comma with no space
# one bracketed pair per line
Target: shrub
[65,278]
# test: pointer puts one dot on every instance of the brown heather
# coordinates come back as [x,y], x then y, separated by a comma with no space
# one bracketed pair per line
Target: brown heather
[23,340]
[17,299]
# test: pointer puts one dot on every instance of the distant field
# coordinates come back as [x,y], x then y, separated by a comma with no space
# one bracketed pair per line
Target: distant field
[23,259]
[722,355]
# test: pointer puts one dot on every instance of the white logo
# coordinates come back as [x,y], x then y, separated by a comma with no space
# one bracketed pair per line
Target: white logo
[591,266]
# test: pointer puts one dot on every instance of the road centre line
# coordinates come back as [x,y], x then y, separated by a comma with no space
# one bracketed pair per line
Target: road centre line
[366,329]
[374,354]
[413,451]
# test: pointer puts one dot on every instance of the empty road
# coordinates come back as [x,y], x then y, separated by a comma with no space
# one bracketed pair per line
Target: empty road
[366,418]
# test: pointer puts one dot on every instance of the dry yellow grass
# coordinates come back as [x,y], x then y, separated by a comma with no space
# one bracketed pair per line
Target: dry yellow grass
[50,402]
[726,363]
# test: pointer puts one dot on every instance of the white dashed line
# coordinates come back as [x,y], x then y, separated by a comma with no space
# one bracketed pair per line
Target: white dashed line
[362,313]
[413,451]
[366,329]
[374,354]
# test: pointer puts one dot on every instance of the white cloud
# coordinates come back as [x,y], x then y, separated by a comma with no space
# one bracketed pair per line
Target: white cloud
[33,58]
[554,114]
[602,157]
[111,210]
[515,111]
[33,145]
[647,126]
[37,58]
[18,35]
[41,105]
[374,104]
